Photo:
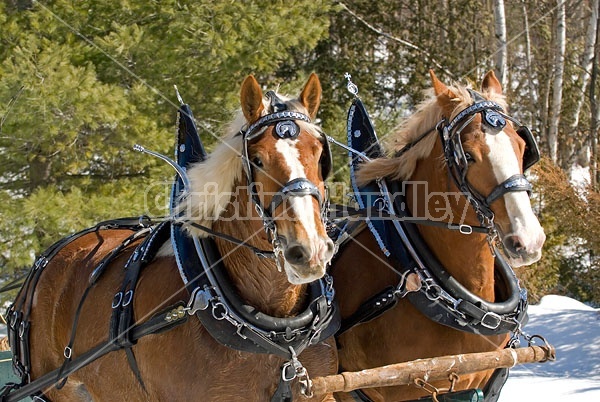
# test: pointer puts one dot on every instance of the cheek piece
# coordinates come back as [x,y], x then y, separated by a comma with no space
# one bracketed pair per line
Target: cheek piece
[285,127]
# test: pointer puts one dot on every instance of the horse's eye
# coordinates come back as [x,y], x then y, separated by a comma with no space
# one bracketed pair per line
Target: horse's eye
[469,157]
[256,161]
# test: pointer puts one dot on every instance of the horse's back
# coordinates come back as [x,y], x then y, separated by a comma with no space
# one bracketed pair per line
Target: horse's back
[57,295]
[60,287]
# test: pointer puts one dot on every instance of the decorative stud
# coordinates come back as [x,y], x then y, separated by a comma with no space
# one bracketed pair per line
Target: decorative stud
[287,129]
[175,314]
[494,119]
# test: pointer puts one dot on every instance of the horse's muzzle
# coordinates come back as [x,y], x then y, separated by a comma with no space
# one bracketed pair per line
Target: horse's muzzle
[523,252]
[306,263]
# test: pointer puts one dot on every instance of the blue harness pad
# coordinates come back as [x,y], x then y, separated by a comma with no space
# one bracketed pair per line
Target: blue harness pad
[372,196]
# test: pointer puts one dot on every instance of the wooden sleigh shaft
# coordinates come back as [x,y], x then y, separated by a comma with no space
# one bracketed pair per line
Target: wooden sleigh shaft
[432,369]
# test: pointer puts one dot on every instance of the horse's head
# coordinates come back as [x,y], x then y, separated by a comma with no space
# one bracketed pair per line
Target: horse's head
[286,159]
[487,152]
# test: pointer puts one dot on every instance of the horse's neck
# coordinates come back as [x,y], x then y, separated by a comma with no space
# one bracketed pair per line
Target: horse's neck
[256,279]
[465,257]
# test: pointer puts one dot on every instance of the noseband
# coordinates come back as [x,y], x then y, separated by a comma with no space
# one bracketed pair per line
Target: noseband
[494,117]
[285,128]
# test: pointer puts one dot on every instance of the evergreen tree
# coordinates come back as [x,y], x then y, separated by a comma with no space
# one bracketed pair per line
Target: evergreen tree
[81,82]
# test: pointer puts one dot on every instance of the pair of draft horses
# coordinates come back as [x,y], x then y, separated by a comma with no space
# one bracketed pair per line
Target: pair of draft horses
[272,164]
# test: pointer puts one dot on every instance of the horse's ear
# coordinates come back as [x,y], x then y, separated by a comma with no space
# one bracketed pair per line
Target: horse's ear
[491,83]
[444,95]
[311,95]
[438,86]
[251,98]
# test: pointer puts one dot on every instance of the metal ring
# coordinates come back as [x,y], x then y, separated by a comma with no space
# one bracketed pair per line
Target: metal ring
[214,311]
[128,297]
[430,289]
[13,319]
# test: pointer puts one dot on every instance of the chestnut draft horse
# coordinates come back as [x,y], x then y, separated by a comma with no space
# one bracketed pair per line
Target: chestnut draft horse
[459,160]
[253,314]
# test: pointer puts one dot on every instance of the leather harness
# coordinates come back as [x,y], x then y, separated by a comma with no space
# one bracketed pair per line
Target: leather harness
[440,297]
[212,299]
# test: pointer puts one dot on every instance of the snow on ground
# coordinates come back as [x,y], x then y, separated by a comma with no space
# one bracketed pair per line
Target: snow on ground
[574,330]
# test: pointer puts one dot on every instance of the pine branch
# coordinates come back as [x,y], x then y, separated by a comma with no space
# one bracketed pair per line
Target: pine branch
[11,103]
[399,40]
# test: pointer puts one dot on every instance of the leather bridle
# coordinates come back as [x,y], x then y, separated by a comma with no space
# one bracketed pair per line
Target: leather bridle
[493,116]
[285,127]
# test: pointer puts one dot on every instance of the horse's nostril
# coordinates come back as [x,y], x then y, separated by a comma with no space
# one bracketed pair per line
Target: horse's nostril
[296,254]
[329,247]
[514,244]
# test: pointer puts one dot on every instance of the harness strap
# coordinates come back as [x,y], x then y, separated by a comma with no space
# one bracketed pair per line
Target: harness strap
[359,396]
[134,367]
[491,391]
[259,252]
[122,305]
[283,393]
[161,322]
[93,279]
[122,315]
[295,188]
[370,309]
[374,212]
[18,314]
[516,182]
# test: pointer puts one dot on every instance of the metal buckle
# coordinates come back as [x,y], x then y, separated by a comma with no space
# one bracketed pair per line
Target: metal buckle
[284,376]
[327,288]
[259,211]
[14,317]
[117,300]
[465,229]
[433,291]
[41,263]
[127,298]
[21,329]
[491,320]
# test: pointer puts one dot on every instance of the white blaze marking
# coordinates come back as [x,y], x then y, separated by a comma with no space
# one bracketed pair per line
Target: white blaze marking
[302,206]
[505,164]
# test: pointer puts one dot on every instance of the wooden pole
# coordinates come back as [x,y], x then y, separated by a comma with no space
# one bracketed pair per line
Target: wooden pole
[433,369]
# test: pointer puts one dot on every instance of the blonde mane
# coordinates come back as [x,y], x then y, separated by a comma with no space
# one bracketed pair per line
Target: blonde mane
[213,182]
[426,116]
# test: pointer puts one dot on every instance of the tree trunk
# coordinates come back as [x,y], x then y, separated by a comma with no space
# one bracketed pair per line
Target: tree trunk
[39,171]
[502,51]
[595,112]
[583,153]
[559,62]
[533,110]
